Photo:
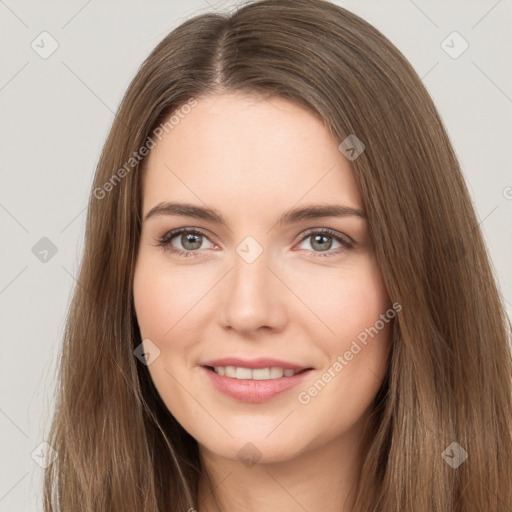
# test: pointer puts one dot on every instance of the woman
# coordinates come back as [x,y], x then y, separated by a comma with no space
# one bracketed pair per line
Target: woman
[285,299]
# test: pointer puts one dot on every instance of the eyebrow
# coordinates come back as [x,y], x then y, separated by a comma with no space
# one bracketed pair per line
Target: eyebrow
[288,217]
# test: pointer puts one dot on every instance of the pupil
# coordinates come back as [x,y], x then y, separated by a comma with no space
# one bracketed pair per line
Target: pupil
[317,239]
[188,238]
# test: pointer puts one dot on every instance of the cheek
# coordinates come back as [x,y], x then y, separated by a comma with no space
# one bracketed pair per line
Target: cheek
[357,309]
[153,302]
[361,304]
[163,299]
[161,305]
[348,300]
[355,362]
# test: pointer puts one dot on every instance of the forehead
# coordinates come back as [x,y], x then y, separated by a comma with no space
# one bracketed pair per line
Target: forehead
[249,155]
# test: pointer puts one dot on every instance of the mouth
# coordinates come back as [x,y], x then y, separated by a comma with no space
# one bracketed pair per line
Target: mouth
[266,373]
[254,385]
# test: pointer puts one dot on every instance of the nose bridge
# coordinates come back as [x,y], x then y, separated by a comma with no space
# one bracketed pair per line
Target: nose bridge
[252,299]
[250,261]
[251,277]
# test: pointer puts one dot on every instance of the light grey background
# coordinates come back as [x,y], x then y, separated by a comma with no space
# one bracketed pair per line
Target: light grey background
[56,113]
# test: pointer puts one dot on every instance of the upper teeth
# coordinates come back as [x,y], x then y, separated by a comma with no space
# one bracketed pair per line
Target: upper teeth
[255,374]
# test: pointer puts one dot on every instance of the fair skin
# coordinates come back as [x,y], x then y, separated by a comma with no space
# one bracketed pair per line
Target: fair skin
[303,301]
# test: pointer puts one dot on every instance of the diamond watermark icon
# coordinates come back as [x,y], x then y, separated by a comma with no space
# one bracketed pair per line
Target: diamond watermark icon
[454,455]
[454,45]
[147,352]
[44,455]
[249,249]
[44,45]
[249,455]
[351,147]
[44,250]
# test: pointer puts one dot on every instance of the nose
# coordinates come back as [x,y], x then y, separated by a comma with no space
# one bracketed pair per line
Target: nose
[253,297]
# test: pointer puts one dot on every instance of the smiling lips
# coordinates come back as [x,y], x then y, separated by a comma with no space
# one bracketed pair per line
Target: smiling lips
[254,381]
[262,362]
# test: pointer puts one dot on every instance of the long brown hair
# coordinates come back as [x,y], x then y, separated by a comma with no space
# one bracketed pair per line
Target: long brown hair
[450,368]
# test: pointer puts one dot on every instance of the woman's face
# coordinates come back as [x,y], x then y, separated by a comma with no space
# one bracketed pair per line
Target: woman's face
[275,280]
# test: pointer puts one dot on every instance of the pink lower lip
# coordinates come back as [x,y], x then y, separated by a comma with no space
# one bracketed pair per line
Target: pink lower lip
[253,391]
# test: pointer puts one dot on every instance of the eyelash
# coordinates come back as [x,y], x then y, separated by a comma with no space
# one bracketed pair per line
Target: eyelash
[345,240]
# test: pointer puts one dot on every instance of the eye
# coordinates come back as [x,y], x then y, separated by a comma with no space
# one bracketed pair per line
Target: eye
[191,241]
[321,242]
